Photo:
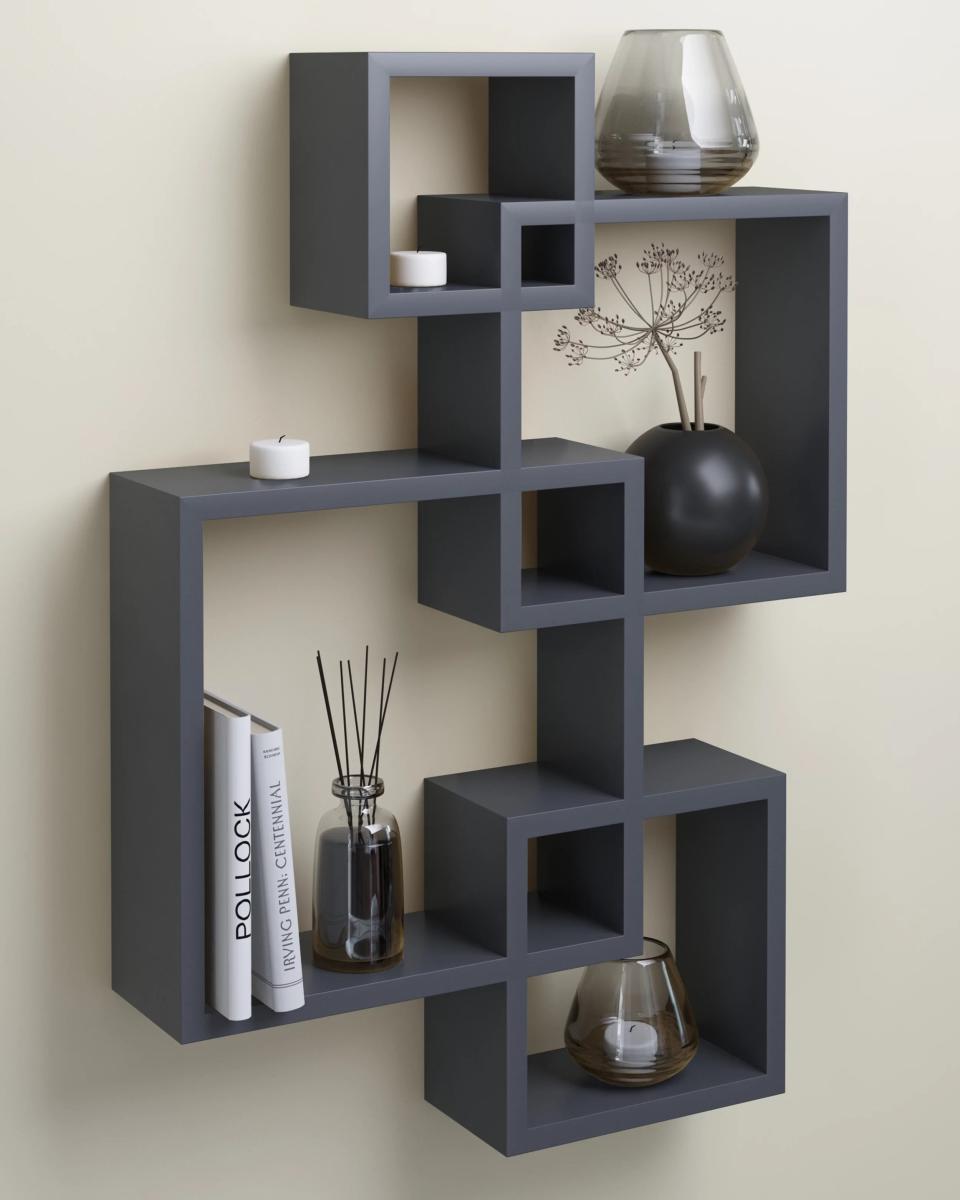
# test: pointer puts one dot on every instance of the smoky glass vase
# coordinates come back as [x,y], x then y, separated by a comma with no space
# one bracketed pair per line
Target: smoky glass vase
[630,1022]
[358,881]
[673,117]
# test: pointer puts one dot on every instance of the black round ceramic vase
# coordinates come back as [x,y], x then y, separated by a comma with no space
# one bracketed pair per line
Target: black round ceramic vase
[705,499]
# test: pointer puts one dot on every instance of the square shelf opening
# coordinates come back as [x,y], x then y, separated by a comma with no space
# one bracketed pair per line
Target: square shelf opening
[547,255]
[575,888]
[788,306]
[363,540]
[439,137]
[721,867]
[410,133]
[573,544]
[475,137]
[781,310]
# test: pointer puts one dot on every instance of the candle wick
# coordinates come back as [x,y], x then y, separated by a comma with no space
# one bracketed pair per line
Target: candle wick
[281,437]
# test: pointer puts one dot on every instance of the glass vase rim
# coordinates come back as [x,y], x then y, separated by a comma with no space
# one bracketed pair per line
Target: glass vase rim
[357,787]
[663,952]
[628,32]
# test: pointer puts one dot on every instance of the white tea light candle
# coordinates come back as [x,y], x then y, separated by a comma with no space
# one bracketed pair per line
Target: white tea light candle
[280,458]
[631,1042]
[418,268]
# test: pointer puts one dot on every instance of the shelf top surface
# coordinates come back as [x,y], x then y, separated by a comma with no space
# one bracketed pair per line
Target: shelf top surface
[368,478]
[551,926]
[559,1090]
[533,789]
[558,452]
[755,566]
[612,206]
[689,765]
[463,62]
[522,790]
[327,470]
[539,587]
[430,947]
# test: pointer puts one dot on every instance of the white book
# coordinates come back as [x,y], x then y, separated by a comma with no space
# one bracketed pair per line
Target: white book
[277,970]
[229,858]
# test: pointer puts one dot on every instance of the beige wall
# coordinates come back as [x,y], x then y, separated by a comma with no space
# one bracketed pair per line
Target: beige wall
[145,323]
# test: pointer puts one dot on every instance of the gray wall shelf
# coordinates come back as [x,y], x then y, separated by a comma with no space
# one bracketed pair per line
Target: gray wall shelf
[526,245]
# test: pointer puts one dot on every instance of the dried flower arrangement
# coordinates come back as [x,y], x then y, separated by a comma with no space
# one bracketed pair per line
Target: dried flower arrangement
[674,289]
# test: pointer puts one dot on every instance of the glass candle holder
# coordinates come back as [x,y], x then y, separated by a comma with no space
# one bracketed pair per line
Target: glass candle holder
[673,117]
[630,1022]
[358,881]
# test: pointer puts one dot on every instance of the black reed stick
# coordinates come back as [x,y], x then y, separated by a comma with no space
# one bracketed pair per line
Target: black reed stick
[343,709]
[326,701]
[363,733]
[356,723]
[373,760]
[375,765]
[383,688]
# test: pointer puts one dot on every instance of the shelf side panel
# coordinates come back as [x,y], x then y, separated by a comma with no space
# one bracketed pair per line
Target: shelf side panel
[580,534]
[730,925]
[330,262]
[468,234]
[582,873]
[589,702]
[783,348]
[156,749]
[460,558]
[469,388]
[532,137]
[467,1060]
[465,866]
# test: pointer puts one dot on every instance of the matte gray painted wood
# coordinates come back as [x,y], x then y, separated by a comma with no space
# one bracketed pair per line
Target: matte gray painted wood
[581,685]
[587,797]
[156,630]
[540,113]
[468,1067]
[730,932]
[468,405]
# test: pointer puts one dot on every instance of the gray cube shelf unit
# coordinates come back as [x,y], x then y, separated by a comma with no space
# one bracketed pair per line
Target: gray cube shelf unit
[528,244]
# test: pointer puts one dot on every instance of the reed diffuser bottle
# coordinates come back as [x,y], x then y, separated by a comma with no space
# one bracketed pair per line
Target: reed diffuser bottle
[358,881]
[358,860]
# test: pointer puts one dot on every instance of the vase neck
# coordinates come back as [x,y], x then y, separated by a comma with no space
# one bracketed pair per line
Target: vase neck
[357,793]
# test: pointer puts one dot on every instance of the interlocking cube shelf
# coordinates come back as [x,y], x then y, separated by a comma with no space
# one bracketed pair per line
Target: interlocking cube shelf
[527,244]
[730,905]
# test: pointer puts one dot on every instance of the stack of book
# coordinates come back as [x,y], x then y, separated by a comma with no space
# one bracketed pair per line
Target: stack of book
[253,935]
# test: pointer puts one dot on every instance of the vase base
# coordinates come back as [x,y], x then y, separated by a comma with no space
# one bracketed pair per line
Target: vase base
[592,1058]
[356,966]
[706,499]
[679,172]
[692,574]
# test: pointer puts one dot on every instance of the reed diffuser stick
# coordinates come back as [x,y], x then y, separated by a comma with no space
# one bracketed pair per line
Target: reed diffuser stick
[375,765]
[383,684]
[343,710]
[363,731]
[367,775]
[356,722]
[326,701]
[383,688]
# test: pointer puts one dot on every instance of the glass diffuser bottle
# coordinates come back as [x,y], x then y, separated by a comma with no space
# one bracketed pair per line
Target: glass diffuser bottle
[673,117]
[358,881]
[630,1022]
